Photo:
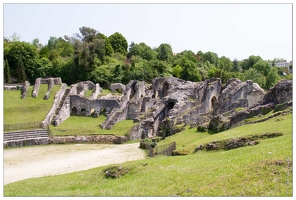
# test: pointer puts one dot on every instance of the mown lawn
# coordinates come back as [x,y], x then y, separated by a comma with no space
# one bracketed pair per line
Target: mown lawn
[80,125]
[261,170]
[17,110]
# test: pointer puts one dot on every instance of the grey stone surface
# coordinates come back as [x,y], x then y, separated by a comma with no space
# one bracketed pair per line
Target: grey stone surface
[25,89]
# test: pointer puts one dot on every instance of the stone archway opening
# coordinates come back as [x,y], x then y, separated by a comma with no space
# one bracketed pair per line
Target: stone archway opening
[83,112]
[103,111]
[213,102]
[74,111]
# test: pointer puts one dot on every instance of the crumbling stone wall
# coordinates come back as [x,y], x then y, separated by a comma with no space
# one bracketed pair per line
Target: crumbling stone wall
[117,87]
[238,93]
[81,105]
[57,99]
[50,85]
[49,81]
[97,91]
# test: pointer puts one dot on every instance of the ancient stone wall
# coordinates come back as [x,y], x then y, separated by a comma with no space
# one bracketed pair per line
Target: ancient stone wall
[49,81]
[87,139]
[83,106]
[117,87]
[57,99]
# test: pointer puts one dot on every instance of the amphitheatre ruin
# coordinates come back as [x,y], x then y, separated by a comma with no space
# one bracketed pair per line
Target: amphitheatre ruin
[162,108]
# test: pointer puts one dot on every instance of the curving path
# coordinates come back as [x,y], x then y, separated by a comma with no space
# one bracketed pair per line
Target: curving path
[38,161]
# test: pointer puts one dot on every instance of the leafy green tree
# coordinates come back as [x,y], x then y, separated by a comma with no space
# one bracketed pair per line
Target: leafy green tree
[255,76]
[177,71]
[37,44]
[272,77]
[225,64]
[249,62]
[262,67]
[118,43]
[236,66]
[22,57]
[6,71]
[43,67]
[190,72]
[21,74]
[165,52]
[141,50]
[211,57]
[106,50]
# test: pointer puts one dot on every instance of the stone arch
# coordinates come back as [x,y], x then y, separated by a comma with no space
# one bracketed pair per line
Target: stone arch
[83,111]
[102,111]
[74,111]
[213,102]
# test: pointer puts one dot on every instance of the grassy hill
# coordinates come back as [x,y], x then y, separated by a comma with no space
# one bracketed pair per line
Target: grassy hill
[17,110]
[261,170]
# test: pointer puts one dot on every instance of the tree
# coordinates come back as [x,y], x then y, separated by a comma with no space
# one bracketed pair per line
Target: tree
[249,62]
[118,43]
[211,57]
[106,50]
[236,67]
[190,72]
[22,57]
[177,71]
[255,76]
[14,37]
[262,67]
[6,71]
[225,64]
[36,43]
[165,52]
[21,75]
[272,77]
[141,50]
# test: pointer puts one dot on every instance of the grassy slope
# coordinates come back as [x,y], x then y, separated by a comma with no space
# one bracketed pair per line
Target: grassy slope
[17,110]
[248,171]
[79,125]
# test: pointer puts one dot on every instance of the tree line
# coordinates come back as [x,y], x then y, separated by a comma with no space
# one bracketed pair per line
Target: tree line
[91,55]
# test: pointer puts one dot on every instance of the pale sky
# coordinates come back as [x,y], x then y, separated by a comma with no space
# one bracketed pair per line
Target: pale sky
[231,30]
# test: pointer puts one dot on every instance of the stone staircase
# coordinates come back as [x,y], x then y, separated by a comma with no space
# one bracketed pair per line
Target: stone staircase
[62,101]
[25,138]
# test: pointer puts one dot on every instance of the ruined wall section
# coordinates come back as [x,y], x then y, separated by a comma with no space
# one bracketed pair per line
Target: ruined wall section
[81,105]
[57,99]
[238,94]
[49,81]
[97,91]
[131,103]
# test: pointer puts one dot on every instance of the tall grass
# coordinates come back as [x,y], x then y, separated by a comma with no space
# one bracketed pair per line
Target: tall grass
[247,171]
[17,110]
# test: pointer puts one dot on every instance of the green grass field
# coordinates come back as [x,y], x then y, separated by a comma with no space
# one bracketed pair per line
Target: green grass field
[80,125]
[17,110]
[260,170]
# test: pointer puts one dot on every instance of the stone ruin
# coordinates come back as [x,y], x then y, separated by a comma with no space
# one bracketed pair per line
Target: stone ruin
[168,104]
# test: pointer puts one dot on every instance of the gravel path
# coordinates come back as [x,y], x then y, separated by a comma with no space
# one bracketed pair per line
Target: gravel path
[38,161]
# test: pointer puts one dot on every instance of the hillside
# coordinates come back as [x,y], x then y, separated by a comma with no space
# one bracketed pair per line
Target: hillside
[261,170]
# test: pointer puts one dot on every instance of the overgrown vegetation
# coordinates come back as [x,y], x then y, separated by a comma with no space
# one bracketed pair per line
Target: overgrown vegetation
[261,170]
[91,55]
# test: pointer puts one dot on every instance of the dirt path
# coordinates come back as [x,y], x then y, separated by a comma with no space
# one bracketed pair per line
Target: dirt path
[38,161]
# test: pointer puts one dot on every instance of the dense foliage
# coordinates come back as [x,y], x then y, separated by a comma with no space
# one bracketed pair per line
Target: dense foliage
[90,55]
